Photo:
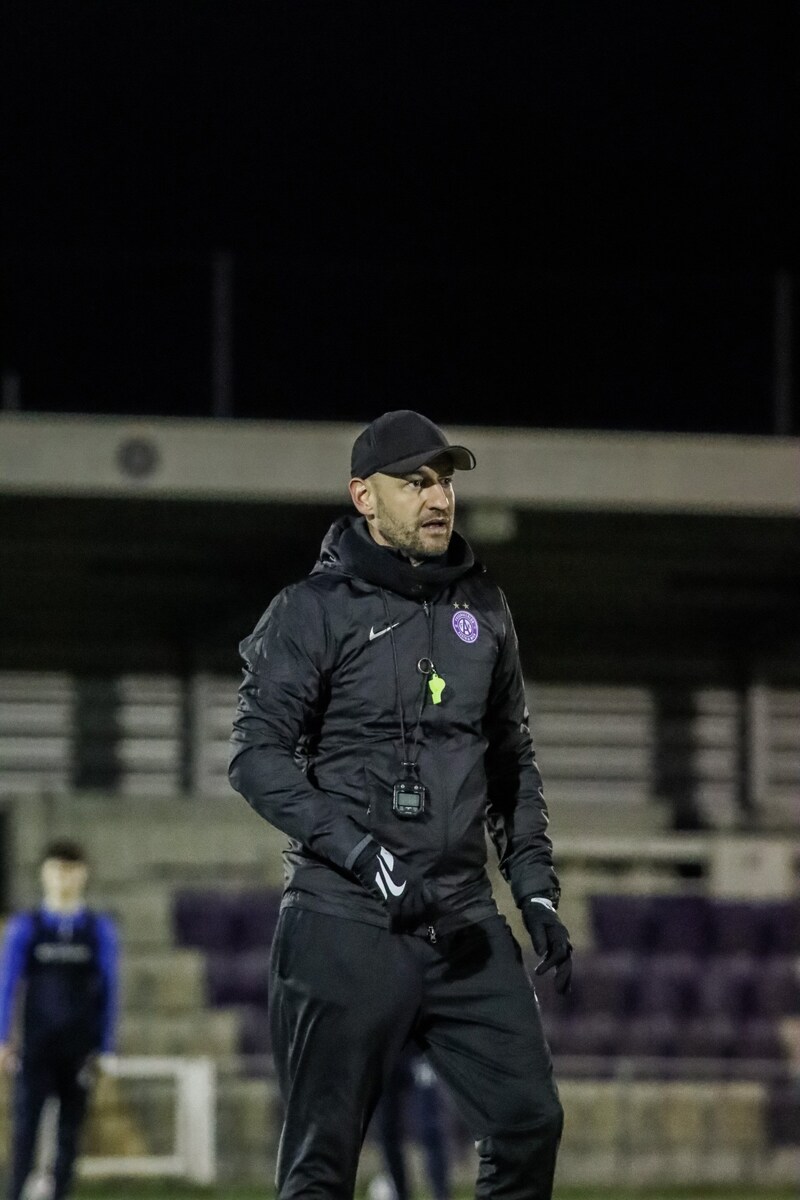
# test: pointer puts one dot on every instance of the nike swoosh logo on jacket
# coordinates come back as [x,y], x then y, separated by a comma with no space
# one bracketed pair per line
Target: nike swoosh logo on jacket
[376,633]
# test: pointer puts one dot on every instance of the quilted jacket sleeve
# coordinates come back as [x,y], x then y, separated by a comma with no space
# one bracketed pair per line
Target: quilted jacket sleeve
[287,661]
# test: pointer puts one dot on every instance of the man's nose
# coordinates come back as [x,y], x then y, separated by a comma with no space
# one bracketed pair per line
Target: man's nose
[438,497]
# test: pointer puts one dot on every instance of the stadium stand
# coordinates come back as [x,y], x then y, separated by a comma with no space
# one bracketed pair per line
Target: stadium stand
[687,995]
[35,732]
[659,985]
[621,751]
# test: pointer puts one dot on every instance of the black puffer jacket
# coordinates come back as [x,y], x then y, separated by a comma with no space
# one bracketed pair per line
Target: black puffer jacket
[317,746]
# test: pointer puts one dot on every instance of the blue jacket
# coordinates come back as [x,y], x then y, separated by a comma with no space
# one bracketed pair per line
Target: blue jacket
[55,1007]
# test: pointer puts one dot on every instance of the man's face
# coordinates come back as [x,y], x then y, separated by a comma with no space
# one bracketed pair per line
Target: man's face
[413,513]
[63,882]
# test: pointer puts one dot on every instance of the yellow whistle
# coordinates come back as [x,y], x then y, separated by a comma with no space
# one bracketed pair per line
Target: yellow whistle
[437,686]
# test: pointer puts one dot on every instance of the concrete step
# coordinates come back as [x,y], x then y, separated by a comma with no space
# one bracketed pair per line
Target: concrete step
[144,915]
[142,911]
[165,845]
[248,1128]
[169,982]
[248,1113]
[141,851]
[601,813]
[213,1033]
[664,1118]
[131,841]
[132,1117]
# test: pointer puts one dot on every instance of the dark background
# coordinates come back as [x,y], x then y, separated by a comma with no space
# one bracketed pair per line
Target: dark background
[113,585]
[563,214]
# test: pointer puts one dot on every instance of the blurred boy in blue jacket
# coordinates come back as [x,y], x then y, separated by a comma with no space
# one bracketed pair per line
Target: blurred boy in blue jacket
[66,957]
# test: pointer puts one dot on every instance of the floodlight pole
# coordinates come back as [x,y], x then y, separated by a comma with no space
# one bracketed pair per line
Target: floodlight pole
[782,384]
[222,335]
[10,392]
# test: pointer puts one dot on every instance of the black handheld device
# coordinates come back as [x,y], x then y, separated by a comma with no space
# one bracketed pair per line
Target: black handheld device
[409,794]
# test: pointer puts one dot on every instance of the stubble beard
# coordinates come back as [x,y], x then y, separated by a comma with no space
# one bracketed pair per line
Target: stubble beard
[410,539]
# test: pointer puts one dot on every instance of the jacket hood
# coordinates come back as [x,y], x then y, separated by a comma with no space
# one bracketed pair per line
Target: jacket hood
[348,546]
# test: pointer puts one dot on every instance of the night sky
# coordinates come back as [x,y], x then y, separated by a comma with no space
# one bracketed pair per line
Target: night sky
[546,214]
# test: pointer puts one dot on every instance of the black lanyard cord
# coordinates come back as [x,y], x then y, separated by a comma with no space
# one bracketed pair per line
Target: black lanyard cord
[401,713]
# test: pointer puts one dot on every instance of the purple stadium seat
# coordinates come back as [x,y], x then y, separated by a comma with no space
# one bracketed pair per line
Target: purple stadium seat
[778,987]
[555,1030]
[783,1116]
[651,1036]
[221,979]
[604,983]
[670,985]
[681,924]
[785,923]
[729,986]
[254,1030]
[759,927]
[739,927]
[238,978]
[622,922]
[224,920]
[597,1035]
[252,977]
[708,1037]
[256,915]
[759,1039]
[204,919]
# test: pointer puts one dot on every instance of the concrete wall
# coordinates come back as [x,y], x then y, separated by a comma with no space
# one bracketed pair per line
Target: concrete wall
[271,460]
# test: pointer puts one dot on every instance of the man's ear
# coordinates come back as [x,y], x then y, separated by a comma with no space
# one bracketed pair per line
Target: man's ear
[361,495]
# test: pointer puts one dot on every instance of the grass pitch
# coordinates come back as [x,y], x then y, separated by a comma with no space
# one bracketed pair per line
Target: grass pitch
[125,1190]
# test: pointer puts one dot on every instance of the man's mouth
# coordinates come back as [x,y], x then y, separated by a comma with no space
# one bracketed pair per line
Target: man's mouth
[436,524]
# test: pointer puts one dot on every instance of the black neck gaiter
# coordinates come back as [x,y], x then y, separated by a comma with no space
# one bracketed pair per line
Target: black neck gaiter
[360,554]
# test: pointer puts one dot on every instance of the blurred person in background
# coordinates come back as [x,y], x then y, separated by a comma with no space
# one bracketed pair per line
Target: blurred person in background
[411,1104]
[66,957]
[382,726]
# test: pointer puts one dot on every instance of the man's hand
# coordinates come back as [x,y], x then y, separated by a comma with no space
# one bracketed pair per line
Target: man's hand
[8,1058]
[99,1062]
[410,900]
[550,939]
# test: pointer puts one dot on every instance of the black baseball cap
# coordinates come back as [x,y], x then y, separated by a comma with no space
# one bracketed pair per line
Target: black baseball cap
[400,442]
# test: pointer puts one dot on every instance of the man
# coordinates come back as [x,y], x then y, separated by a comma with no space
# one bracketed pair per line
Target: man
[382,726]
[66,955]
[412,1091]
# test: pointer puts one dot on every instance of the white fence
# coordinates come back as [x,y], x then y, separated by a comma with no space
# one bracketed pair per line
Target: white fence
[193,1155]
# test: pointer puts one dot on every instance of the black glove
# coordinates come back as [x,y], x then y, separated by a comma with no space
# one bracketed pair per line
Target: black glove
[408,899]
[550,939]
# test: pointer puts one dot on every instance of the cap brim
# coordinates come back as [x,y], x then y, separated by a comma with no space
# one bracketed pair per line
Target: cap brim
[462,459]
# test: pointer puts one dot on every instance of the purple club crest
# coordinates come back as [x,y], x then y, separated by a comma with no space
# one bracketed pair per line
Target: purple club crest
[465,625]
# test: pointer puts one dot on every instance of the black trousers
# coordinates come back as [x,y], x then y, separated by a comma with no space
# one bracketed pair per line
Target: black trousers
[36,1080]
[346,997]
